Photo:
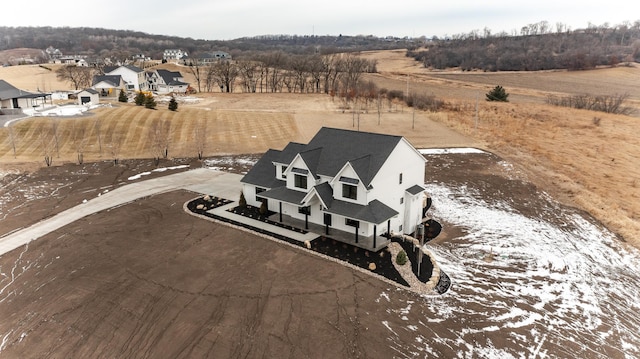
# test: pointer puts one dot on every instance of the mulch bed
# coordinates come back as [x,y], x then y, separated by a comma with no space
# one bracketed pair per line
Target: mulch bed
[342,251]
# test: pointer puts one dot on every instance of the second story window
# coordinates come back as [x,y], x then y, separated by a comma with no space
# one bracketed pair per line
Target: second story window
[349,191]
[282,171]
[400,178]
[300,181]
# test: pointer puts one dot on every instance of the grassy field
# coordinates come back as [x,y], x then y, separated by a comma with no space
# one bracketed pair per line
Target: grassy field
[592,165]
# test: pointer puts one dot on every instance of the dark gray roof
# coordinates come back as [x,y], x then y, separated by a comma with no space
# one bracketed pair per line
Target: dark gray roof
[91,91]
[375,212]
[284,194]
[366,151]
[136,69]
[325,192]
[263,173]
[171,77]
[114,80]
[8,91]
[415,189]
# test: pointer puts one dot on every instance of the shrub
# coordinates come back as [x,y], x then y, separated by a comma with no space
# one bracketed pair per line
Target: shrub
[149,102]
[122,97]
[140,98]
[498,94]
[401,258]
[173,104]
[263,208]
[242,202]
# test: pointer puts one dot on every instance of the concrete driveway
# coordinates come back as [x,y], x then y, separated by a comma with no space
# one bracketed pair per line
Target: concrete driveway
[204,181]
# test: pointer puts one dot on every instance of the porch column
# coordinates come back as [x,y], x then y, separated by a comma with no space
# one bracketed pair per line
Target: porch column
[389,228]
[374,235]
[280,212]
[356,227]
[306,220]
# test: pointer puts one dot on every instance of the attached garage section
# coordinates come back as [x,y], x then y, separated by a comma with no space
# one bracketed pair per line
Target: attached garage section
[88,96]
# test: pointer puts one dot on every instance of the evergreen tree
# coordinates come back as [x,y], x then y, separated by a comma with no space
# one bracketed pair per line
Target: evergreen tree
[122,97]
[139,99]
[149,102]
[173,104]
[498,94]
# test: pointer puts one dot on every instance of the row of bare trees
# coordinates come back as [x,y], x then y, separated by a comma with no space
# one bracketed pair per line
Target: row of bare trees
[281,72]
[51,138]
[603,103]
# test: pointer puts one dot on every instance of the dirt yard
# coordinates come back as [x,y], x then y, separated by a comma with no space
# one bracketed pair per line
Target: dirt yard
[148,280]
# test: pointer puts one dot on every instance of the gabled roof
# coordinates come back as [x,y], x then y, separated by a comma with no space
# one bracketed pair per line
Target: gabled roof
[366,152]
[171,77]
[311,159]
[109,69]
[90,90]
[115,80]
[8,91]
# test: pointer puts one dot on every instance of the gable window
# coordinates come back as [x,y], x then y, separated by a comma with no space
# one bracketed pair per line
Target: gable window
[300,181]
[352,222]
[258,191]
[400,178]
[349,191]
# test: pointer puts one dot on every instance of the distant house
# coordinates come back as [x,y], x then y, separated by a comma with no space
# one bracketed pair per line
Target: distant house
[14,98]
[88,96]
[174,55]
[212,57]
[108,85]
[358,182]
[133,76]
[170,82]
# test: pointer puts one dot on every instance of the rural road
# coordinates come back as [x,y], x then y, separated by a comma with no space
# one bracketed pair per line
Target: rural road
[205,181]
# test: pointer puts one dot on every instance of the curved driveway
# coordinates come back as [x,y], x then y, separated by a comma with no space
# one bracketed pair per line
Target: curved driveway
[205,181]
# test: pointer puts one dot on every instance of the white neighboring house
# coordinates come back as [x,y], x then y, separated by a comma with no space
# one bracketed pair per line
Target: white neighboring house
[174,55]
[13,98]
[359,182]
[88,96]
[134,77]
[170,82]
[108,85]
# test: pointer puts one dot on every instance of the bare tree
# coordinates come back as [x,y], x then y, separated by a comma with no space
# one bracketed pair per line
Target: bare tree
[12,139]
[160,137]
[79,76]
[225,74]
[249,71]
[114,145]
[79,141]
[46,142]
[200,137]
[97,125]
[54,132]
[197,72]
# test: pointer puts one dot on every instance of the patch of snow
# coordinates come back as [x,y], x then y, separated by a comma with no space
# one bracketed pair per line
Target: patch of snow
[162,169]
[446,151]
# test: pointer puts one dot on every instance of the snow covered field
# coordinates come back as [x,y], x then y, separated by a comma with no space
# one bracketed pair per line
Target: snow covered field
[554,284]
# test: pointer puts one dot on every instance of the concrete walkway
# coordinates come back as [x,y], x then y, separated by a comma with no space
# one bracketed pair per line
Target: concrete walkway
[205,181]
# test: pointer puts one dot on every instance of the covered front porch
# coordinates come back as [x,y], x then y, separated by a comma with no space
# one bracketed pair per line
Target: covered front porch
[372,243]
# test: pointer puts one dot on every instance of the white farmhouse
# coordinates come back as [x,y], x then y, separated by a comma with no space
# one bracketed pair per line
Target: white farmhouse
[358,182]
[173,55]
[133,76]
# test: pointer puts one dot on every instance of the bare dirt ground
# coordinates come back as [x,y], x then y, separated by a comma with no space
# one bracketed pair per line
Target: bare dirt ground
[148,280]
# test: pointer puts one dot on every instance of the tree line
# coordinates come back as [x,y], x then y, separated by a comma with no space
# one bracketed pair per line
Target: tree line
[538,46]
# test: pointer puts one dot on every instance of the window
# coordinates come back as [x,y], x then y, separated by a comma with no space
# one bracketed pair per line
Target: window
[401,200]
[282,170]
[352,222]
[305,210]
[400,178]
[300,181]
[349,191]
[258,191]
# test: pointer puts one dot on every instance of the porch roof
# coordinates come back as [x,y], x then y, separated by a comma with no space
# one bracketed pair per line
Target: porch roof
[375,212]
[284,194]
